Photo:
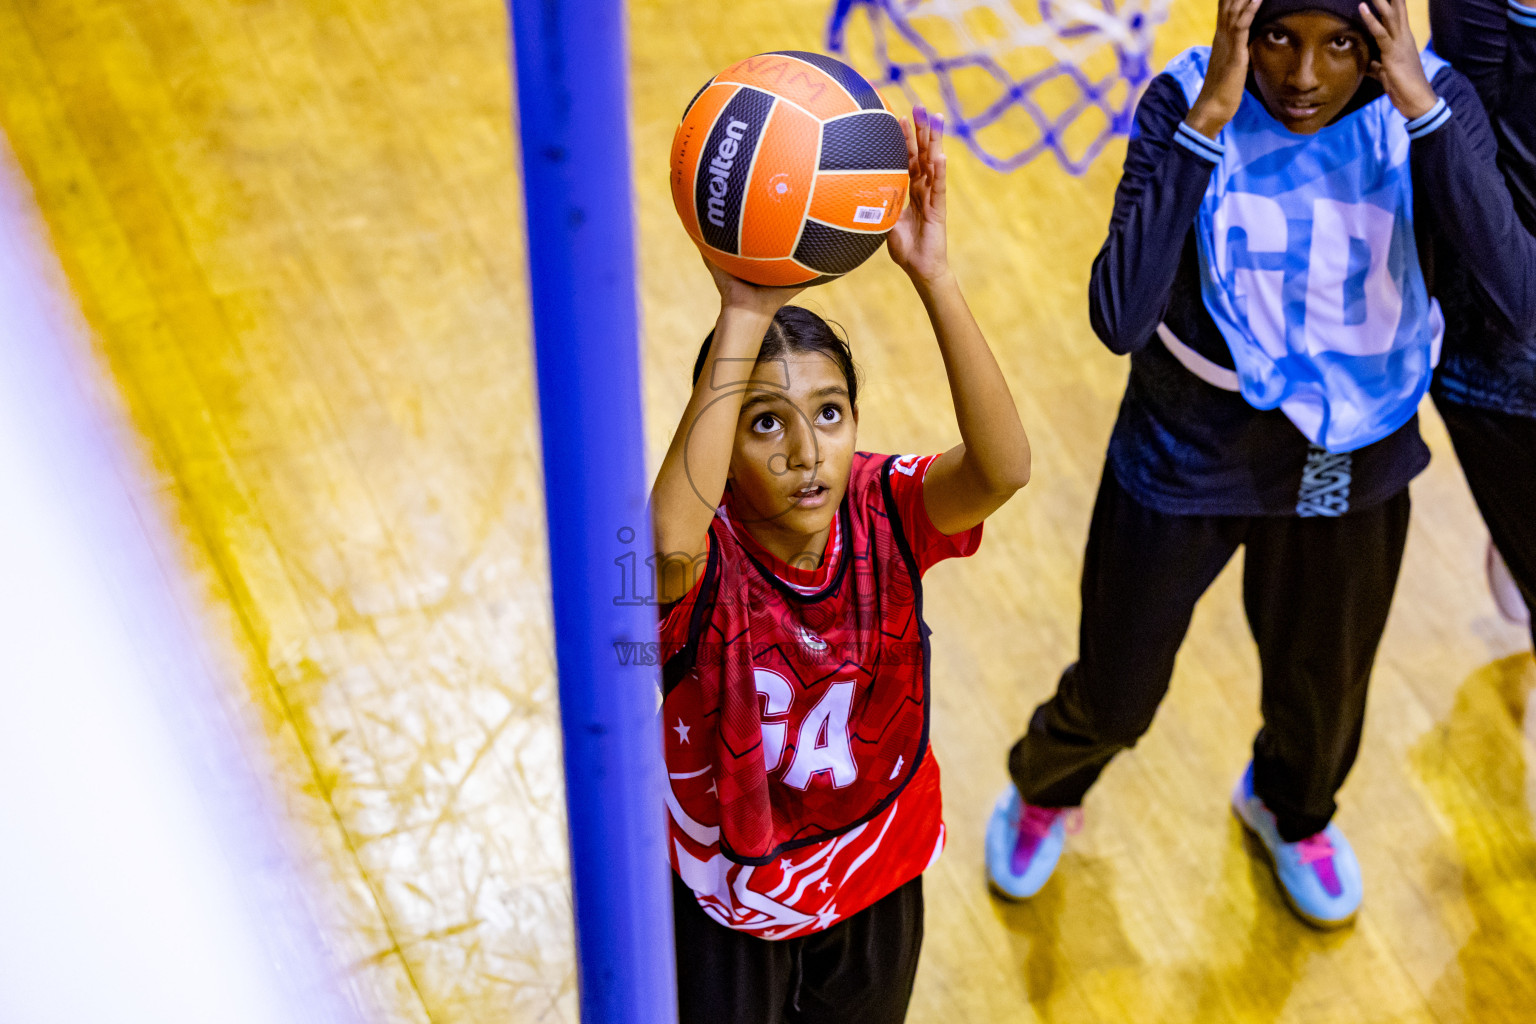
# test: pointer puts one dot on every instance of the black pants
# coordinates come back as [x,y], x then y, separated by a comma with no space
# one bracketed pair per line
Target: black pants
[1498,455]
[858,971]
[1316,591]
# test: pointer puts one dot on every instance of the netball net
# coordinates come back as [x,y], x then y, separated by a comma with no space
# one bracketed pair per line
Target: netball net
[1015,78]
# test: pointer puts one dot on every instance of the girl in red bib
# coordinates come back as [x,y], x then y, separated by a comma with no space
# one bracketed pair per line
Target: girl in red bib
[803,800]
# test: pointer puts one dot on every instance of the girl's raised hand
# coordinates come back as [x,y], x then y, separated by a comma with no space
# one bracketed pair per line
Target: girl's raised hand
[744,296]
[1400,70]
[917,243]
[1227,76]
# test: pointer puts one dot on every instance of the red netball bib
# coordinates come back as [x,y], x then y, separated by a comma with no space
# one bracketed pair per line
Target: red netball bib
[796,707]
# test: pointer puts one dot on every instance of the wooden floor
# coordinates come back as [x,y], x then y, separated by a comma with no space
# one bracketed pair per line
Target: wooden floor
[295,230]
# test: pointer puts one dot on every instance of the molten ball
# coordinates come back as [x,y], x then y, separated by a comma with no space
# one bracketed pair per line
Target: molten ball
[788,168]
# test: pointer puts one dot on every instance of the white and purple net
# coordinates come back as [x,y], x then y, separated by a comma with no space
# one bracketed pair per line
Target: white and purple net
[1015,78]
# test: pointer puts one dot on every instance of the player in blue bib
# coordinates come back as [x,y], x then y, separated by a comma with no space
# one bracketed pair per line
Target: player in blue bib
[1269,269]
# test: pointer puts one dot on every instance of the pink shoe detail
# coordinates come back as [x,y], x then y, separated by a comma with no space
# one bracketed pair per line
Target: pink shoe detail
[1317,850]
[1035,824]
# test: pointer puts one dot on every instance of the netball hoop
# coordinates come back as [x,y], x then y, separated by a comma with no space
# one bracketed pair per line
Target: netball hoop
[1015,78]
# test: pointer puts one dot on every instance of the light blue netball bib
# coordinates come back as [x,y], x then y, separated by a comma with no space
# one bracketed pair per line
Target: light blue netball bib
[1309,267]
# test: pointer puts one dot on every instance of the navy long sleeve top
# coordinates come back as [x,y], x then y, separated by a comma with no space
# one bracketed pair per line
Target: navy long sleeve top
[1490,346]
[1185,447]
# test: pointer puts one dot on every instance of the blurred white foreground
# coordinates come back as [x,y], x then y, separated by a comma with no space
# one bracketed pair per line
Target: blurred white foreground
[142,871]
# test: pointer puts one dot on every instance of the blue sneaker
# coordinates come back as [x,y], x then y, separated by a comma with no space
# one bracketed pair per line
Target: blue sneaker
[1319,875]
[1024,843]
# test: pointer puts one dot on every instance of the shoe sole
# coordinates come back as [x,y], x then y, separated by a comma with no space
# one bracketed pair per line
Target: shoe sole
[997,890]
[1321,924]
[1004,894]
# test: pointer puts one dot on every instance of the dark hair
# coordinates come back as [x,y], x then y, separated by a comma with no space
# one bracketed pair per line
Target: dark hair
[797,329]
[1344,10]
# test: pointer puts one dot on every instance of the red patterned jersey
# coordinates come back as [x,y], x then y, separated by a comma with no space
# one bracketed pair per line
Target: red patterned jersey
[801,785]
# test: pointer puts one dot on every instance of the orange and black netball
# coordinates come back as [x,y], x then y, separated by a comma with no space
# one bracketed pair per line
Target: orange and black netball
[788,168]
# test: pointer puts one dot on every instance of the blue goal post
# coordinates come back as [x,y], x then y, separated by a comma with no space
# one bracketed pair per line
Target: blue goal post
[572,67]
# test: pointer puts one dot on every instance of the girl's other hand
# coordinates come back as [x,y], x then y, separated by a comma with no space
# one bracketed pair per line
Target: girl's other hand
[1227,76]
[917,243]
[1400,70]
[744,296]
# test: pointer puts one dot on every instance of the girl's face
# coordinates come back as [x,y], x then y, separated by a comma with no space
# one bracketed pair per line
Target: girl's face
[1308,66]
[794,450]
